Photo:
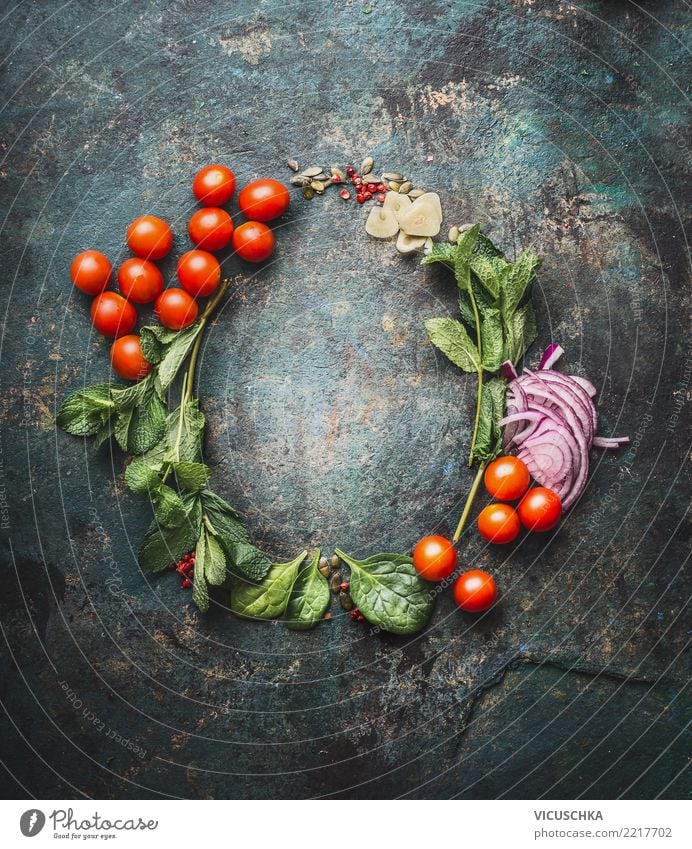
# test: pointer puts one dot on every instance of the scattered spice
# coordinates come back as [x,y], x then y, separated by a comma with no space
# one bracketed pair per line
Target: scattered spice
[293,165]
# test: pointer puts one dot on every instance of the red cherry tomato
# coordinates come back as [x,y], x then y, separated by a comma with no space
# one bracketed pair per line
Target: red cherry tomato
[507,478]
[149,237]
[112,315]
[91,272]
[214,185]
[540,509]
[264,200]
[253,241]
[127,358]
[140,280]
[498,523]
[175,309]
[475,591]
[210,228]
[434,558]
[199,273]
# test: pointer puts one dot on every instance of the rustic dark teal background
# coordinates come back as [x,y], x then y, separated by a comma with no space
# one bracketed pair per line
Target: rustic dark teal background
[332,421]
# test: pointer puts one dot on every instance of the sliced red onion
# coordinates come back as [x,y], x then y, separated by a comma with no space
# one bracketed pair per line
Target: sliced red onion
[508,371]
[609,442]
[551,355]
[582,381]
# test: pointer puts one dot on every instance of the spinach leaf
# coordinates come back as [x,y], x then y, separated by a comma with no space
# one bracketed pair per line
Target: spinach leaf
[268,599]
[389,592]
[164,546]
[309,598]
[451,338]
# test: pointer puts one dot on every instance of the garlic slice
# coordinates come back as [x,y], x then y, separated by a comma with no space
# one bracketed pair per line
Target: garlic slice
[434,198]
[406,244]
[398,204]
[381,223]
[423,218]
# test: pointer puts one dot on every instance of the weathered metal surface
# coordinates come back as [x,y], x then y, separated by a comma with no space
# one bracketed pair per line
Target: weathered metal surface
[332,421]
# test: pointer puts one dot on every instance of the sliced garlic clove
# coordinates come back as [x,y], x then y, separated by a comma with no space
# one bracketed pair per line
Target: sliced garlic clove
[422,218]
[398,204]
[434,198]
[381,223]
[428,246]
[406,244]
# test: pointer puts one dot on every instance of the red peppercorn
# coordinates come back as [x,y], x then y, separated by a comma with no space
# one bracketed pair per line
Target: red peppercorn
[381,187]
[367,196]
[354,614]
[343,585]
[336,178]
[186,584]
[350,170]
[327,616]
[360,617]
[345,194]
[372,187]
[380,197]
[360,198]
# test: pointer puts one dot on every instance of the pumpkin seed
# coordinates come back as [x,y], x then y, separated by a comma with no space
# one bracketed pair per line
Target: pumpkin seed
[318,186]
[335,561]
[335,582]
[371,179]
[321,177]
[453,235]
[392,175]
[345,600]
[323,566]
[416,193]
[311,172]
[300,181]
[405,187]
[308,192]
[366,165]
[293,165]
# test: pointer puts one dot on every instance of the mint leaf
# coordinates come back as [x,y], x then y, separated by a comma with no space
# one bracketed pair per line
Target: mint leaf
[247,561]
[127,397]
[520,333]
[147,425]
[489,435]
[154,341]
[162,546]
[492,343]
[175,353]
[169,507]
[121,428]
[451,338]
[242,557]
[200,590]
[462,257]
[268,599]
[86,411]
[191,476]
[214,562]
[309,597]
[517,281]
[389,592]
[140,477]
[440,252]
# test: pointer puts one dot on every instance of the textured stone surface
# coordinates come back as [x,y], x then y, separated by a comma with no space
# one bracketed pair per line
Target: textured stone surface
[331,420]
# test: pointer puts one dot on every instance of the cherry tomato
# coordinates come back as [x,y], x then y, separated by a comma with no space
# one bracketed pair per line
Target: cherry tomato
[199,273]
[214,185]
[149,237]
[175,309]
[475,591]
[140,280]
[210,228]
[540,509]
[112,315]
[253,241]
[264,200]
[91,272]
[507,478]
[498,523]
[434,558]
[127,358]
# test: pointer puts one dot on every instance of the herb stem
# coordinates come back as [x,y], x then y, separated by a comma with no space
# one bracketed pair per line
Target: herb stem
[192,365]
[469,501]
[480,373]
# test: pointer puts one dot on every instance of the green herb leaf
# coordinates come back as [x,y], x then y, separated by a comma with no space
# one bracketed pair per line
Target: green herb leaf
[164,546]
[86,411]
[169,507]
[147,425]
[389,592]
[242,557]
[140,477]
[127,397]
[517,281]
[175,354]
[462,257]
[492,343]
[440,252]
[486,271]
[200,590]
[247,561]
[268,599]
[309,598]
[192,476]
[520,333]
[154,341]
[451,338]
[214,563]
[489,437]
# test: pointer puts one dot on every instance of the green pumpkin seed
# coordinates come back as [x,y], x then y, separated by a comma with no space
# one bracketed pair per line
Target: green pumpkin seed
[405,187]
[311,172]
[318,186]
[394,186]
[416,193]
[335,582]
[335,561]
[308,192]
[323,566]
[300,181]
[345,600]
[366,165]
[392,175]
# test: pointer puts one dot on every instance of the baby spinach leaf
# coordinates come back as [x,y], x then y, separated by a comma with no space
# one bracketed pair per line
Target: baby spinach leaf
[451,338]
[309,598]
[389,592]
[268,599]
[163,546]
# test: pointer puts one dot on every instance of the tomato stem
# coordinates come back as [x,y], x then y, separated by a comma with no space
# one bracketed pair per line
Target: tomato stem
[469,501]
[480,374]
[192,365]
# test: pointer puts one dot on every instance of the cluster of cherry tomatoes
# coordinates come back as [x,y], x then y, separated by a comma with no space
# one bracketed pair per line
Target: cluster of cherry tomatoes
[140,280]
[539,509]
